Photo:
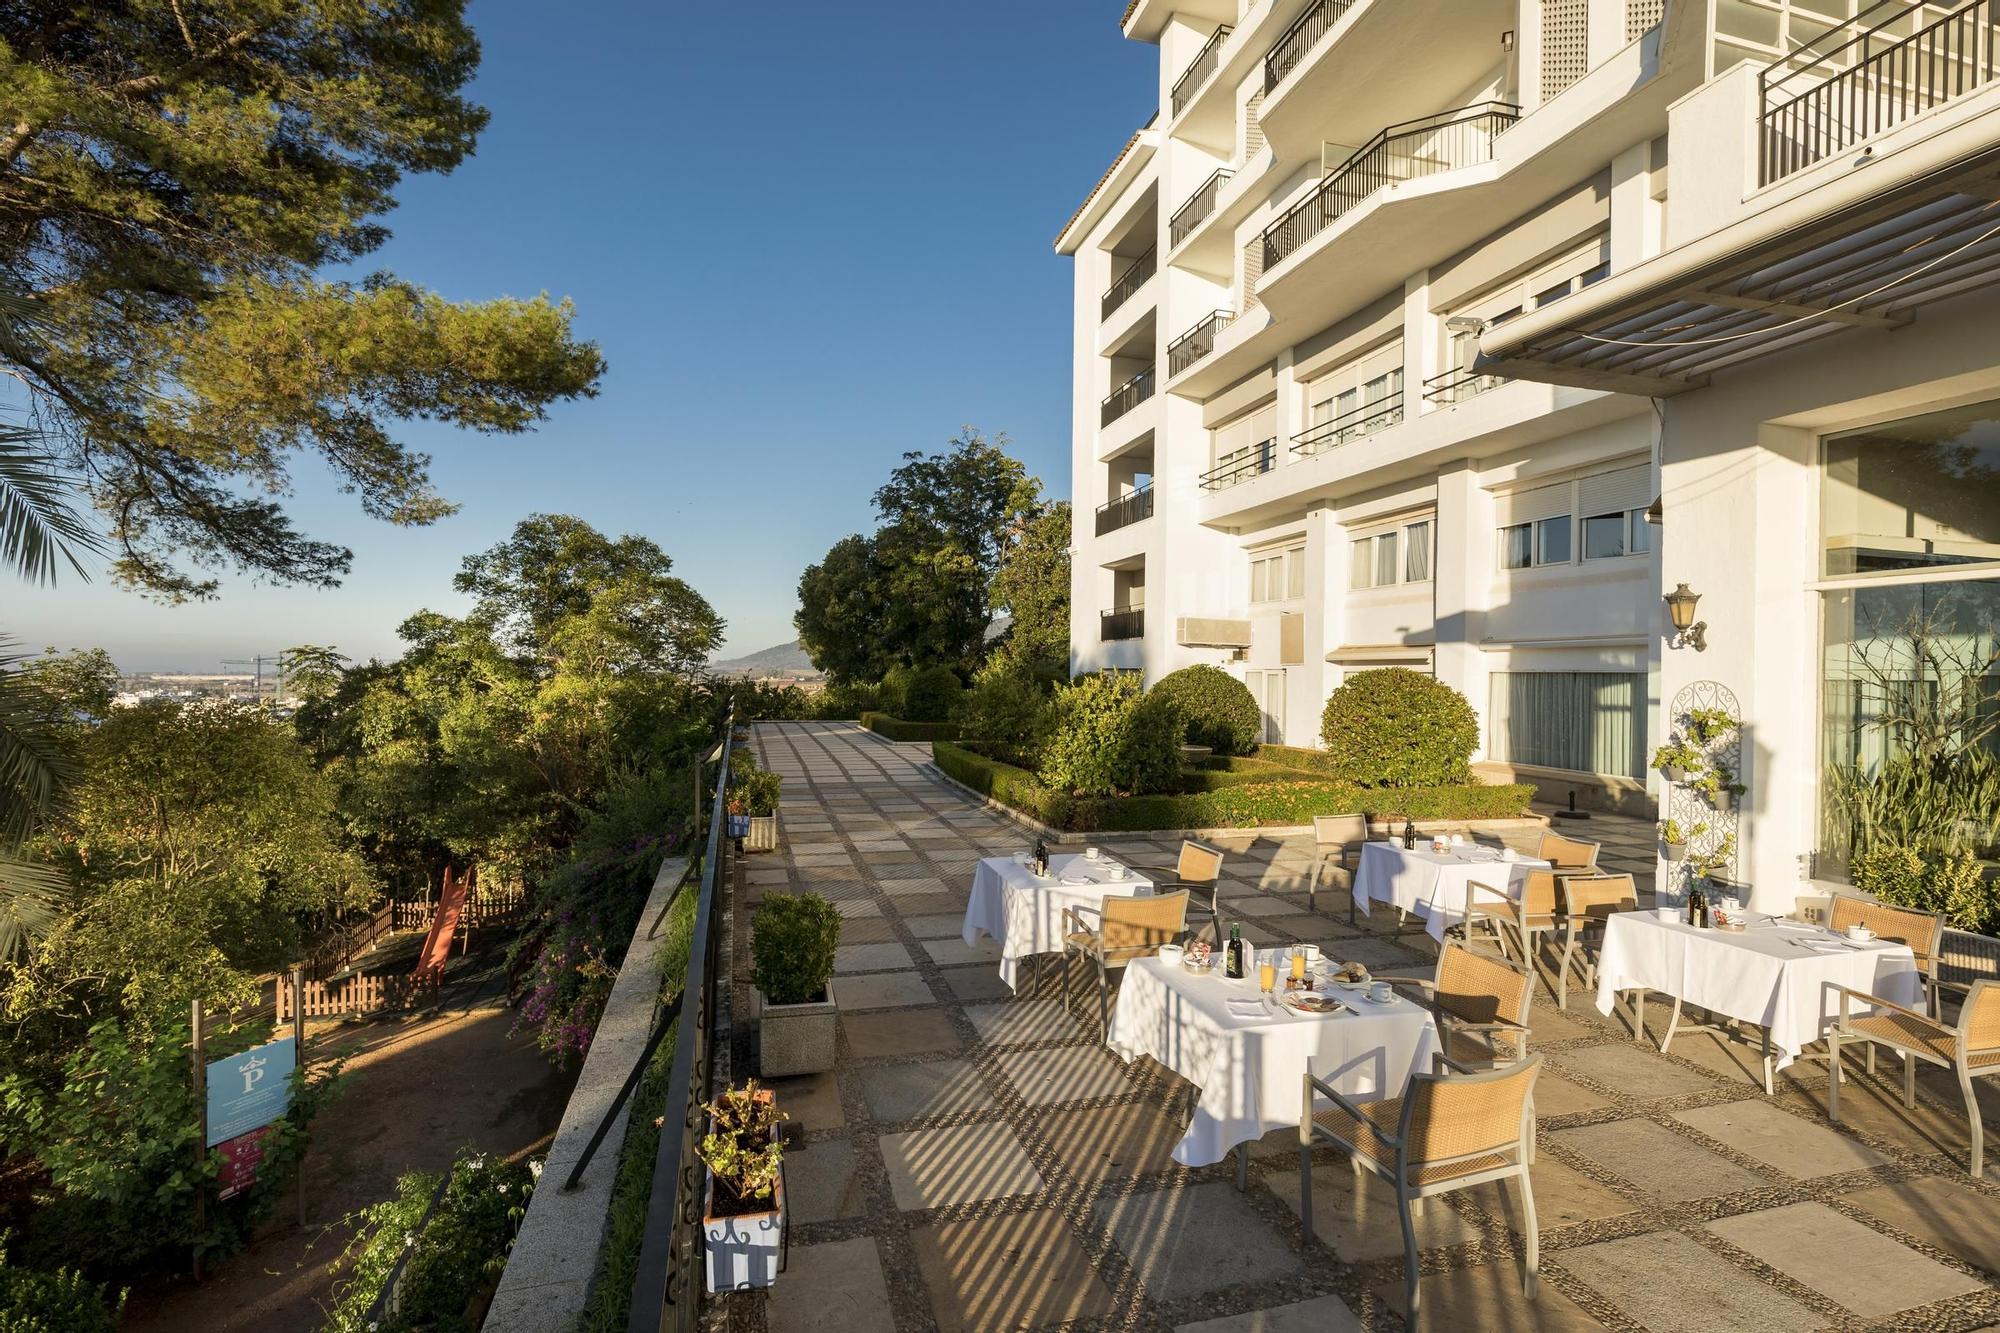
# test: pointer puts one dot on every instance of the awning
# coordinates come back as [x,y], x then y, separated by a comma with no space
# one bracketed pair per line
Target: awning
[1381,654]
[1865,249]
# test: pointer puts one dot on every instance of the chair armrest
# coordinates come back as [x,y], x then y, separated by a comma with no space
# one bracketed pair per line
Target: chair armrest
[1073,916]
[1474,888]
[1497,1025]
[1441,1062]
[1340,1100]
[1880,1003]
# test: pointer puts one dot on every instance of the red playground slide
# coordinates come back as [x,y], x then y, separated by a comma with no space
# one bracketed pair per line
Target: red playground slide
[437,947]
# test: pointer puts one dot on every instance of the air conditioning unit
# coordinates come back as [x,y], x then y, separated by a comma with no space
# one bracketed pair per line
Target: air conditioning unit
[1211,632]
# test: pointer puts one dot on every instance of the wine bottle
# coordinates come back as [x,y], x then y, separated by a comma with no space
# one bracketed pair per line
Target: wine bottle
[1232,959]
[1409,835]
[1041,857]
[1704,923]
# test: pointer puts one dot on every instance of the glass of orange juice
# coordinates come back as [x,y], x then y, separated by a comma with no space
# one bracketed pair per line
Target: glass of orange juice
[1298,965]
[1267,974]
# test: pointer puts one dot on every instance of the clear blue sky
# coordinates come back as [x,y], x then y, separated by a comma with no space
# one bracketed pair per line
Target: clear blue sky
[808,237]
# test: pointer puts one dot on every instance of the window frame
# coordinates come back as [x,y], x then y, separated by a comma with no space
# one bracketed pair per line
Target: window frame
[1285,558]
[1362,574]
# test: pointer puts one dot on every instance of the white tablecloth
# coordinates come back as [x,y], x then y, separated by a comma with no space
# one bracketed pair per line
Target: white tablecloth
[1251,1069]
[1430,886]
[1766,975]
[1025,914]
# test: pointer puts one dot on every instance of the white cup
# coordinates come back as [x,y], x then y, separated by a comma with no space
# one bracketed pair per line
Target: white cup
[1509,854]
[1381,992]
[1311,951]
[1859,932]
[1090,853]
[1118,871]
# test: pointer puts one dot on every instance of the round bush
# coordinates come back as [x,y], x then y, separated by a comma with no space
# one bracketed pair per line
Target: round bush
[1110,737]
[1006,713]
[892,693]
[931,695]
[1218,708]
[1398,728]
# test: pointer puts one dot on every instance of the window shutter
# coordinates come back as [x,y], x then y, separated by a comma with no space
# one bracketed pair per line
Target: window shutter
[1263,424]
[1641,15]
[1528,506]
[1233,435]
[1612,492]
[1292,638]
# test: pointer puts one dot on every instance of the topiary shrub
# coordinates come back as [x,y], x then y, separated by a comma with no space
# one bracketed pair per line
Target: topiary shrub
[1218,709]
[1109,736]
[892,692]
[1399,728]
[931,695]
[792,941]
[1007,713]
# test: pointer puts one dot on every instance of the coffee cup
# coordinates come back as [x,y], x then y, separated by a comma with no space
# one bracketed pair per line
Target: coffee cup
[1311,951]
[1090,853]
[1381,992]
[1118,871]
[1859,932]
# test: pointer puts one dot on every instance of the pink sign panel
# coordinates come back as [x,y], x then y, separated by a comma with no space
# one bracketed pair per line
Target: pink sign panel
[241,1156]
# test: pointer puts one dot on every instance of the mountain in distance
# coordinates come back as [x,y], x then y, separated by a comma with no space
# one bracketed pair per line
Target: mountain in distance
[784,659]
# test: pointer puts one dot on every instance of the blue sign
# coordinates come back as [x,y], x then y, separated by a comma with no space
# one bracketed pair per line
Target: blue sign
[250,1090]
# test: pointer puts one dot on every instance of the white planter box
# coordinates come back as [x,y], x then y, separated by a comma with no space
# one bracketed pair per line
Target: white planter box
[763,835]
[796,1038]
[743,1251]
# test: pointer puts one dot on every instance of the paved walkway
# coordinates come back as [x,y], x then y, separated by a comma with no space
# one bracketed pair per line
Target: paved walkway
[979,1162]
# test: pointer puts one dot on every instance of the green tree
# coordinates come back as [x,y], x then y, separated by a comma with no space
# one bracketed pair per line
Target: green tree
[312,673]
[1032,586]
[843,614]
[173,179]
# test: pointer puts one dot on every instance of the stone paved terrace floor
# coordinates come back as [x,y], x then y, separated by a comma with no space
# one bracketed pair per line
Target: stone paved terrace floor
[977,1161]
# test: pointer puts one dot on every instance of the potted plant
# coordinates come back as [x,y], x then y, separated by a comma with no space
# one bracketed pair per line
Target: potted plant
[1676,759]
[1705,726]
[1676,839]
[743,1222]
[792,942]
[759,793]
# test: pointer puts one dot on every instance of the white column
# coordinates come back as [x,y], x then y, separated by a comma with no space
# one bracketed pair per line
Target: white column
[1461,582]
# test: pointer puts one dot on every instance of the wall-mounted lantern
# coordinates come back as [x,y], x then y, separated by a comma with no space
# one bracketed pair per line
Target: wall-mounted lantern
[1688,632]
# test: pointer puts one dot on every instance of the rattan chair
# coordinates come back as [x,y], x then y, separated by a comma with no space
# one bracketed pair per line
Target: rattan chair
[1922,931]
[1445,1133]
[1587,901]
[1337,841]
[1970,1050]
[1534,914]
[1568,854]
[1480,1004]
[1130,926]
[1199,871]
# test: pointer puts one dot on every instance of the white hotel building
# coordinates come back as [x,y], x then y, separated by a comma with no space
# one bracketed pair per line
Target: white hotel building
[1455,333]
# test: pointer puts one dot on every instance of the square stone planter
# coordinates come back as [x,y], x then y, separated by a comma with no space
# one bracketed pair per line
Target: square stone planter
[796,1038]
[763,834]
[746,1250]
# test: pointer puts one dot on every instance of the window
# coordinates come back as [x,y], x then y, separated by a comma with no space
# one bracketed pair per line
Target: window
[1517,546]
[1552,541]
[1540,526]
[1278,576]
[1268,689]
[1588,264]
[1400,555]
[1614,508]
[1545,541]
[1358,399]
[1913,494]
[1585,721]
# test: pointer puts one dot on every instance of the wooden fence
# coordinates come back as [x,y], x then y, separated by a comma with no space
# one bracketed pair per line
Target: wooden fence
[486,907]
[363,993]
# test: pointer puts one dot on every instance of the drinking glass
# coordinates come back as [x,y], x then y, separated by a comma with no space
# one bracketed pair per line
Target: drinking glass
[1267,975]
[1298,965]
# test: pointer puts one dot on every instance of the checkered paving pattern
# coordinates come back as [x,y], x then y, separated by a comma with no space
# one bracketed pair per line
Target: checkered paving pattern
[978,1161]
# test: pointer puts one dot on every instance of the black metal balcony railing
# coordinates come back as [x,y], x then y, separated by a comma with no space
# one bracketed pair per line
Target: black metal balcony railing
[1127,396]
[1197,342]
[1198,209]
[1126,510]
[1299,39]
[1240,465]
[1456,385]
[1363,420]
[1131,280]
[1198,70]
[1125,622]
[1867,80]
[1443,142]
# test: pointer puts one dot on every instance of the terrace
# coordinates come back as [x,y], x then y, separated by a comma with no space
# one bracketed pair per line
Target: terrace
[977,1159]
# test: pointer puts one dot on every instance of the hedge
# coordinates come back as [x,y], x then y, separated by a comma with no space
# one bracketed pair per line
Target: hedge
[895,729]
[1242,805]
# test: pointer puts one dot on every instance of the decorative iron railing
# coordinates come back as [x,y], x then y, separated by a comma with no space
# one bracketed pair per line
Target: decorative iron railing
[1199,207]
[1456,385]
[1125,622]
[1198,341]
[1363,420]
[1126,510]
[1130,281]
[1865,80]
[667,1285]
[1198,70]
[1126,397]
[1443,142]
[1299,39]
[1240,465]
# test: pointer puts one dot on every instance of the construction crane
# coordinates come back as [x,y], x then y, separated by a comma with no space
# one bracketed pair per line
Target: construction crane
[277,660]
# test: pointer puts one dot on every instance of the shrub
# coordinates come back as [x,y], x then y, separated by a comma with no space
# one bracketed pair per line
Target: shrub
[848,700]
[792,941]
[453,1261]
[1013,787]
[1256,804]
[892,693]
[62,1301]
[742,1147]
[1399,728]
[752,790]
[1952,883]
[1008,713]
[1218,708]
[895,729]
[1110,736]
[932,695]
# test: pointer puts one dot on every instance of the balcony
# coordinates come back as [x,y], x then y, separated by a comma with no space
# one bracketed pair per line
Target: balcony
[1446,141]
[1126,397]
[1136,275]
[1299,39]
[1363,420]
[1450,387]
[1126,510]
[1197,342]
[1199,70]
[1198,209]
[1122,623]
[1240,465]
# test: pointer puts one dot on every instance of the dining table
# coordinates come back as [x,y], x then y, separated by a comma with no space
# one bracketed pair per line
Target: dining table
[1435,886]
[1248,1054]
[1023,911]
[1780,975]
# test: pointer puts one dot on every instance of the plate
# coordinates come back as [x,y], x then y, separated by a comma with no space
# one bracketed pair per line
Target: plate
[1199,969]
[1372,1000]
[1077,881]
[1311,1002]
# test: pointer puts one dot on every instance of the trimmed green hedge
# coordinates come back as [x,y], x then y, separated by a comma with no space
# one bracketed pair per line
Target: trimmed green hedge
[1239,805]
[895,729]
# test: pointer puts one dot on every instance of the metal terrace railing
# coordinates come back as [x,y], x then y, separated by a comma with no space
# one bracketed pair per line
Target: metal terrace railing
[1446,141]
[1126,397]
[1126,510]
[1198,341]
[1130,281]
[1456,385]
[1199,207]
[1865,78]
[1119,623]
[1299,39]
[1363,420]
[1198,70]
[1240,465]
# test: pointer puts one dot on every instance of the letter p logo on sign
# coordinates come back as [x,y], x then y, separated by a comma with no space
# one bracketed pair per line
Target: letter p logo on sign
[249,1090]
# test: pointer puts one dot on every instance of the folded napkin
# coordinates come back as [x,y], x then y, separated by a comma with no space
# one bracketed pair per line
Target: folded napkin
[1248,1009]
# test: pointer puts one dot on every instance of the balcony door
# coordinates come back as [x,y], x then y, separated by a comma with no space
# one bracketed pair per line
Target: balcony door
[1268,688]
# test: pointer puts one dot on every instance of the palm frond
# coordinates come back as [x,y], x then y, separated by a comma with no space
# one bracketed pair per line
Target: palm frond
[33,898]
[34,766]
[38,529]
